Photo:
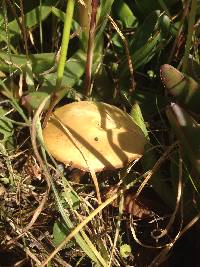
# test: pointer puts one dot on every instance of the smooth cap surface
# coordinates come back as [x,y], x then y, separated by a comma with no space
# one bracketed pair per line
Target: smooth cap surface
[93,135]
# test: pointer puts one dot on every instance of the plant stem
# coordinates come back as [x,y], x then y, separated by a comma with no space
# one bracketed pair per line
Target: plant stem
[191,23]
[65,42]
[63,54]
[83,19]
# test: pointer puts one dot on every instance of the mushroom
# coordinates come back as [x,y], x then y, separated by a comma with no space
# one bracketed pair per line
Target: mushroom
[93,136]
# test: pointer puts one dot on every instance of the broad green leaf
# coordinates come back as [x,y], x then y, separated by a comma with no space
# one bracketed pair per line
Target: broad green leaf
[74,69]
[117,41]
[60,231]
[33,99]
[17,63]
[124,13]
[105,10]
[32,19]
[137,117]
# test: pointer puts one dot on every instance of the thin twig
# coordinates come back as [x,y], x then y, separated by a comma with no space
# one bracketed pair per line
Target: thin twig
[106,203]
[178,200]
[13,10]
[156,261]
[34,145]
[130,63]
[35,149]
[155,168]
[24,29]
[121,205]
[90,48]
[80,226]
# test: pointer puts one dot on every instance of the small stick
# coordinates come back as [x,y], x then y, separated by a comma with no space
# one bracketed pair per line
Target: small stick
[130,63]
[90,49]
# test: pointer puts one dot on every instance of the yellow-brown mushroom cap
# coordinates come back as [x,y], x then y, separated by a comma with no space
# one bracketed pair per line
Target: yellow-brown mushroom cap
[93,136]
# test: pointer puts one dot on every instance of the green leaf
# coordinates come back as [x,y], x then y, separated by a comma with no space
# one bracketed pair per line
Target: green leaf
[165,24]
[33,99]
[6,127]
[149,102]
[58,13]
[32,19]
[70,199]
[125,250]
[29,77]
[183,87]
[17,63]
[6,130]
[74,69]
[150,156]
[124,13]
[105,9]
[187,131]
[144,32]
[60,231]
[137,117]
[61,15]
[143,55]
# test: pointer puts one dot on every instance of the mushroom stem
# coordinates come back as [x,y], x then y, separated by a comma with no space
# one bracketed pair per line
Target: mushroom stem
[96,184]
